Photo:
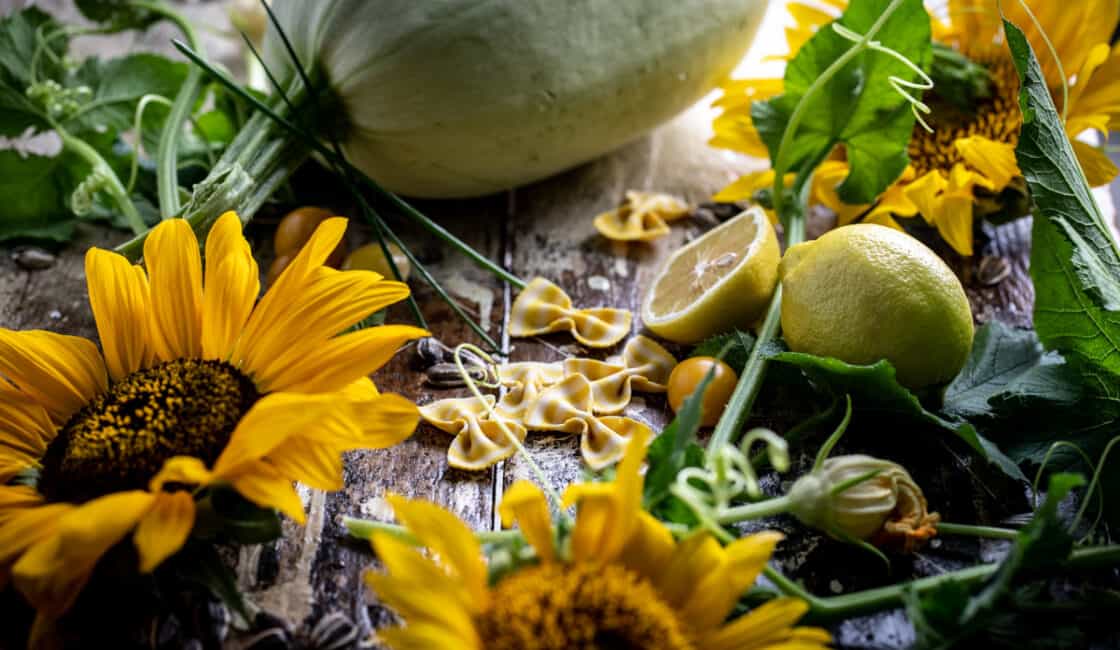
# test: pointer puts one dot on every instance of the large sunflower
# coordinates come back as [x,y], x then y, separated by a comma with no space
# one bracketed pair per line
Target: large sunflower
[618,580]
[969,158]
[195,387]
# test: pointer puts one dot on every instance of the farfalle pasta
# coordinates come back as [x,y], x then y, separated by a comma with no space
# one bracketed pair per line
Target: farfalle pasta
[567,407]
[643,216]
[543,308]
[644,366]
[480,440]
[524,382]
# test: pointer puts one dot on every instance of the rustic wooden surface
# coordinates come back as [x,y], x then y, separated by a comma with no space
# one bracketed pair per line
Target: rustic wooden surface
[544,229]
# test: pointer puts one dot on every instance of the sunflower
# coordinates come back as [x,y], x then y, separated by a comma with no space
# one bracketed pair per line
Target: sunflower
[618,580]
[966,166]
[197,385]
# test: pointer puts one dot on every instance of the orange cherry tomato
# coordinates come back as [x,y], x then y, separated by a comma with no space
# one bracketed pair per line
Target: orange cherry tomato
[686,377]
[296,228]
[371,258]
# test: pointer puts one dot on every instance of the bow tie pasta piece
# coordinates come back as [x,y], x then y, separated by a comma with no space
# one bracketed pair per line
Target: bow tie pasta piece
[567,407]
[644,366]
[480,441]
[643,216]
[543,308]
[525,381]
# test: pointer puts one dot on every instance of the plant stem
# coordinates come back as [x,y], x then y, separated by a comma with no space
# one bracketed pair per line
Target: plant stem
[115,188]
[990,532]
[167,154]
[871,600]
[365,528]
[749,511]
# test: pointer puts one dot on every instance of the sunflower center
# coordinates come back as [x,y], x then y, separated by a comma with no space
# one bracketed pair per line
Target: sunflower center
[996,117]
[584,606]
[119,441]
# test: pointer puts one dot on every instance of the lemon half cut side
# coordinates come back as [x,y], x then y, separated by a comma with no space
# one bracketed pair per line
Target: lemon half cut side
[717,282]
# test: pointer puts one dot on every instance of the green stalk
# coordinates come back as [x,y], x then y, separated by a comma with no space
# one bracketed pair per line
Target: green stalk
[989,532]
[872,600]
[167,154]
[115,188]
[742,399]
[750,511]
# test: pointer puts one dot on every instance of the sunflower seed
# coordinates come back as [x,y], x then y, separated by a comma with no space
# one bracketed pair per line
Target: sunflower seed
[431,351]
[211,621]
[271,639]
[992,270]
[334,632]
[446,375]
[32,258]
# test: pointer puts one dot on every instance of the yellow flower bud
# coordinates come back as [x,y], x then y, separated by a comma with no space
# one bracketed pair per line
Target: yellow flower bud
[886,507]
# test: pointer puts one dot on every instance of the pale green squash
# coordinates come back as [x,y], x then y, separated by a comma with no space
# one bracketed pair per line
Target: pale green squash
[454,98]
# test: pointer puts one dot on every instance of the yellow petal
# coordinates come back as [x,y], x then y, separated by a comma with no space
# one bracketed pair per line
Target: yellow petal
[267,488]
[119,298]
[59,372]
[426,636]
[25,521]
[449,537]
[768,625]
[25,427]
[1099,169]
[338,362]
[1100,93]
[314,464]
[525,504]
[180,469]
[231,289]
[745,186]
[164,529]
[51,573]
[693,558]
[278,417]
[384,420]
[924,191]
[717,592]
[175,268]
[995,160]
[735,130]
[649,548]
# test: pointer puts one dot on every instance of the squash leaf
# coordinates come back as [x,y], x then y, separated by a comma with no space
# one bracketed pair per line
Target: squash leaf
[1000,356]
[857,107]
[1075,260]
[875,388]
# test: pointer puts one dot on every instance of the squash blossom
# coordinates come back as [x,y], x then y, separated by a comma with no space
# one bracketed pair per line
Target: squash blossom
[965,168]
[886,507]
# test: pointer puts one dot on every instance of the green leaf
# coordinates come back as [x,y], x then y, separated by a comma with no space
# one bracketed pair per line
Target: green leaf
[35,192]
[1075,261]
[18,40]
[117,15]
[875,388]
[857,107]
[118,84]
[675,448]
[738,346]
[1000,355]
[1004,613]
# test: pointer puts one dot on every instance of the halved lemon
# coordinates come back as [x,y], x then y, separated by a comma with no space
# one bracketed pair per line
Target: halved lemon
[717,282]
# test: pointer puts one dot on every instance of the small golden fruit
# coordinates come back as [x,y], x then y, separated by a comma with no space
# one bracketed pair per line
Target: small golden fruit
[865,292]
[371,258]
[296,228]
[686,377]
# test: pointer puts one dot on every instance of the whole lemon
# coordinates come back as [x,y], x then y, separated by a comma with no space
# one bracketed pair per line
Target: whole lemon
[865,292]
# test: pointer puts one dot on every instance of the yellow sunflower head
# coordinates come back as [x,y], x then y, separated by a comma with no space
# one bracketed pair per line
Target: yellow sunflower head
[197,385]
[618,580]
[966,166]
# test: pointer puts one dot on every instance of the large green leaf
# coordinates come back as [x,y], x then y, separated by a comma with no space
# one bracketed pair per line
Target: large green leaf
[875,388]
[35,192]
[1075,261]
[18,42]
[1000,356]
[117,86]
[856,107]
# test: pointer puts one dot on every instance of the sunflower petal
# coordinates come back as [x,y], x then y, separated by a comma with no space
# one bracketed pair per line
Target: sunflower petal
[164,529]
[995,160]
[649,548]
[1099,169]
[264,486]
[120,300]
[25,427]
[51,573]
[449,537]
[25,520]
[524,503]
[315,464]
[59,372]
[745,186]
[384,420]
[717,592]
[175,268]
[338,362]
[231,289]
[187,470]
[693,558]
[426,636]
[767,625]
